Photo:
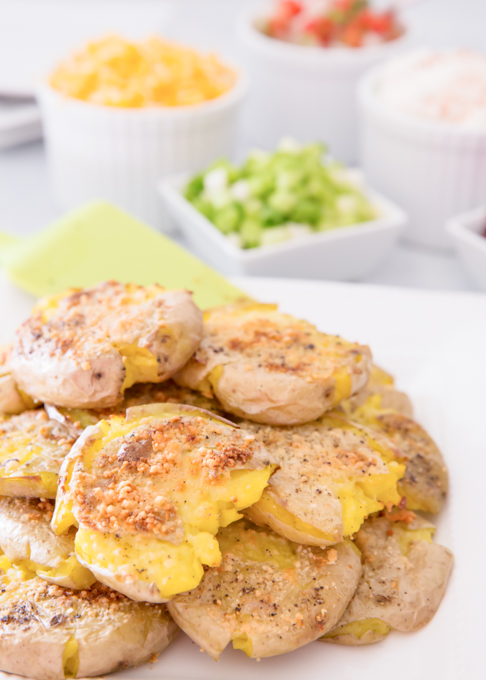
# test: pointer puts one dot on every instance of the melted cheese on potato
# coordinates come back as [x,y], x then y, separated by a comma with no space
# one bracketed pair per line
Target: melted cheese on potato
[84,348]
[67,633]
[32,448]
[323,464]
[28,541]
[269,595]
[271,367]
[150,492]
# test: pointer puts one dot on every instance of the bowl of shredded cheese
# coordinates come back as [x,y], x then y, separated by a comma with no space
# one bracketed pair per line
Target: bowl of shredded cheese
[120,114]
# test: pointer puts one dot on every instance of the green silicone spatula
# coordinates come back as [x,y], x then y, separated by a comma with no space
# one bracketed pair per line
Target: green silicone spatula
[99,242]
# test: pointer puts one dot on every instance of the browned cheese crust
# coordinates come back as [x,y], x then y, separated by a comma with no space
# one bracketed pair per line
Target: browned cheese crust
[272,368]
[122,489]
[72,351]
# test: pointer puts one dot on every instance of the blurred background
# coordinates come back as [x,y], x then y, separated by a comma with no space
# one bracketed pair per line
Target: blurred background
[36,34]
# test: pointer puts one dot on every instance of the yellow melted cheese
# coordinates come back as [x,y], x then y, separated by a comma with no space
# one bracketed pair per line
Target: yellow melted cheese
[359,628]
[140,365]
[244,643]
[407,536]
[70,569]
[267,504]
[203,509]
[359,497]
[70,658]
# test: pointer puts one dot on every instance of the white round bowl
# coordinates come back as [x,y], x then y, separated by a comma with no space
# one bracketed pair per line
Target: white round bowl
[306,92]
[432,170]
[117,154]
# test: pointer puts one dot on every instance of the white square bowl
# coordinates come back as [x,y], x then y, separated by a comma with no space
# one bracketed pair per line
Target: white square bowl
[343,253]
[465,230]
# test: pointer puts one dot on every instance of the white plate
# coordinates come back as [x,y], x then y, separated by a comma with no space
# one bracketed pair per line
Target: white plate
[345,253]
[435,345]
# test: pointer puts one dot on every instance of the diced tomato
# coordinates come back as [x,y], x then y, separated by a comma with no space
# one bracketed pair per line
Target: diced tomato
[344,22]
[378,23]
[352,34]
[322,28]
[289,8]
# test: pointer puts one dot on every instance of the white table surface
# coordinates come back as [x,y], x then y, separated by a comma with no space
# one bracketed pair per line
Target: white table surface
[26,203]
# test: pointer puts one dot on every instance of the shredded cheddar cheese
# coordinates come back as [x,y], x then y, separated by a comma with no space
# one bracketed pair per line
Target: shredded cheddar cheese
[116,72]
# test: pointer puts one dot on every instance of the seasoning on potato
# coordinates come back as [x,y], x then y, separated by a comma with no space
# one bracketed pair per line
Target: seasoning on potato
[403,582]
[51,633]
[149,493]
[116,72]
[386,410]
[269,596]
[332,475]
[272,368]
[84,348]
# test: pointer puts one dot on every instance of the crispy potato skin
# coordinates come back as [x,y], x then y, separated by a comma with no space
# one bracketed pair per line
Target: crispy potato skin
[112,632]
[72,356]
[403,591]
[272,368]
[248,597]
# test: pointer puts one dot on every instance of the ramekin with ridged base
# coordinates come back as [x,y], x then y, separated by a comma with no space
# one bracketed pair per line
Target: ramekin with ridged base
[118,154]
[306,92]
[432,170]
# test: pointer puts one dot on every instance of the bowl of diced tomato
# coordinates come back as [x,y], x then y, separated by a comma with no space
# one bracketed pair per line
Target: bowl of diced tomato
[305,59]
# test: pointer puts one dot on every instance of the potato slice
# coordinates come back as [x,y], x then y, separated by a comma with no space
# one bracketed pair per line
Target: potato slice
[51,633]
[272,368]
[426,480]
[269,596]
[403,582]
[84,348]
[28,541]
[149,493]
[332,474]
[12,400]
[381,407]
[32,448]
[138,395]
[380,395]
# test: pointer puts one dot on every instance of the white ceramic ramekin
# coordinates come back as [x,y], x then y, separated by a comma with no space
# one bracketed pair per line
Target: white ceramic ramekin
[432,170]
[118,154]
[306,92]
[345,253]
[466,231]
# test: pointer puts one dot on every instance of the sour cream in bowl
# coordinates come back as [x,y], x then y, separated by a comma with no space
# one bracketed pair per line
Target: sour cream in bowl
[423,136]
